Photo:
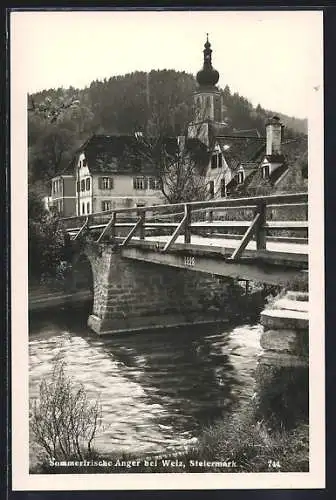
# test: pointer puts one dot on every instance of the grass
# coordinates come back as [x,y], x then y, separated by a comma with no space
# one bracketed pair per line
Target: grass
[237,444]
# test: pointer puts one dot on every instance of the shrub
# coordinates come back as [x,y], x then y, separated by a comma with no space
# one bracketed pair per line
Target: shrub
[64,421]
[254,445]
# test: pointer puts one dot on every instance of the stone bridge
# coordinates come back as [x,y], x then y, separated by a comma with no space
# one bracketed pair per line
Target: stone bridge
[130,295]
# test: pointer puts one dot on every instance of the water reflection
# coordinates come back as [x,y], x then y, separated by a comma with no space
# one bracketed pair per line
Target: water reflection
[157,388]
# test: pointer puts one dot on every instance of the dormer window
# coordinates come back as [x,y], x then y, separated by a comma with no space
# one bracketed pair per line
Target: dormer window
[265,171]
[241,177]
[217,161]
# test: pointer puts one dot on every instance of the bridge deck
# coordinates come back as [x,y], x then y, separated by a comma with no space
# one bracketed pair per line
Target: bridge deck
[223,242]
[255,254]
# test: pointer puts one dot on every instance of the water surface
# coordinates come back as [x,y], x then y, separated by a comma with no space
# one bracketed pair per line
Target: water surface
[157,388]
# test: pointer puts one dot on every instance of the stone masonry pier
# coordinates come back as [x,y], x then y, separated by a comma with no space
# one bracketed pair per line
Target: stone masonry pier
[282,373]
[130,295]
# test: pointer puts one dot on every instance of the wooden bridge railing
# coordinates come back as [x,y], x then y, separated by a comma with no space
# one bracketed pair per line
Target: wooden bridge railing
[256,219]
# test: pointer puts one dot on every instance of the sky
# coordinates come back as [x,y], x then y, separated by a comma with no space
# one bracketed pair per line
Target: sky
[270,57]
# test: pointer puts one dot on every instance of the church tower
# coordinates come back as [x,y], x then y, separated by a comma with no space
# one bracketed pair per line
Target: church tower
[208,102]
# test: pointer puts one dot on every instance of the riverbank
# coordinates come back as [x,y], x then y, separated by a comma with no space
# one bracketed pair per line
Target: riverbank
[43,297]
[237,444]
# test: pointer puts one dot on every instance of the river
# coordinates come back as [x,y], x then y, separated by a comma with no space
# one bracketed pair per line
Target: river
[157,388]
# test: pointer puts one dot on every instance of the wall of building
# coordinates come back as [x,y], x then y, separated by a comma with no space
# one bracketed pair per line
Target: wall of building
[63,198]
[123,194]
[217,174]
[69,207]
[69,185]
[84,198]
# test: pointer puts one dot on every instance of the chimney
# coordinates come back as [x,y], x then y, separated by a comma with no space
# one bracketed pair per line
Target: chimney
[274,135]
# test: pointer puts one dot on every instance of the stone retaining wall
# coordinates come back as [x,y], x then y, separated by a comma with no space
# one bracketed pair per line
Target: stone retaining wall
[282,375]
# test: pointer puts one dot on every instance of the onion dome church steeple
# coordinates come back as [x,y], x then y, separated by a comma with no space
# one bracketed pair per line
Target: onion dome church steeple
[207,76]
[208,101]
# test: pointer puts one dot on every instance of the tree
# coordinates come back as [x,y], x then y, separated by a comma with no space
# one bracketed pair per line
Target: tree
[52,109]
[51,151]
[48,242]
[179,167]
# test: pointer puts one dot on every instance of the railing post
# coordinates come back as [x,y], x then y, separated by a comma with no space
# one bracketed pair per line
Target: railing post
[260,228]
[113,227]
[187,231]
[142,225]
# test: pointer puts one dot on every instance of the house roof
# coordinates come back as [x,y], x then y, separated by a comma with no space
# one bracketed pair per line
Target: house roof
[240,149]
[293,151]
[125,154]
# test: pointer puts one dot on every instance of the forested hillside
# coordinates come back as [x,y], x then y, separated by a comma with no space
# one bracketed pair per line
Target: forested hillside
[149,102]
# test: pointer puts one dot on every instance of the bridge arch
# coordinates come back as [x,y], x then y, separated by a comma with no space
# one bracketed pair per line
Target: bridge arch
[82,277]
[82,272]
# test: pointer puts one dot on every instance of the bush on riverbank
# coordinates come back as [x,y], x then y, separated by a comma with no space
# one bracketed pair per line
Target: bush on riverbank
[48,242]
[64,422]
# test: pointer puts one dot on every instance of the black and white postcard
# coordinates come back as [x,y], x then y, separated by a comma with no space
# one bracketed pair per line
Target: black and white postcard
[167,249]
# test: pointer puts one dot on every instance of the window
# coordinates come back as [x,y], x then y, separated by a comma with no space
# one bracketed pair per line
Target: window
[223,188]
[84,162]
[83,208]
[212,189]
[140,183]
[88,207]
[153,183]
[106,183]
[78,186]
[82,185]
[106,205]
[241,177]
[216,161]
[265,171]
[87,182]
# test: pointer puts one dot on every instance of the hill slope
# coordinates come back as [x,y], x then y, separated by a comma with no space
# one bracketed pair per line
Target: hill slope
[159,100]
